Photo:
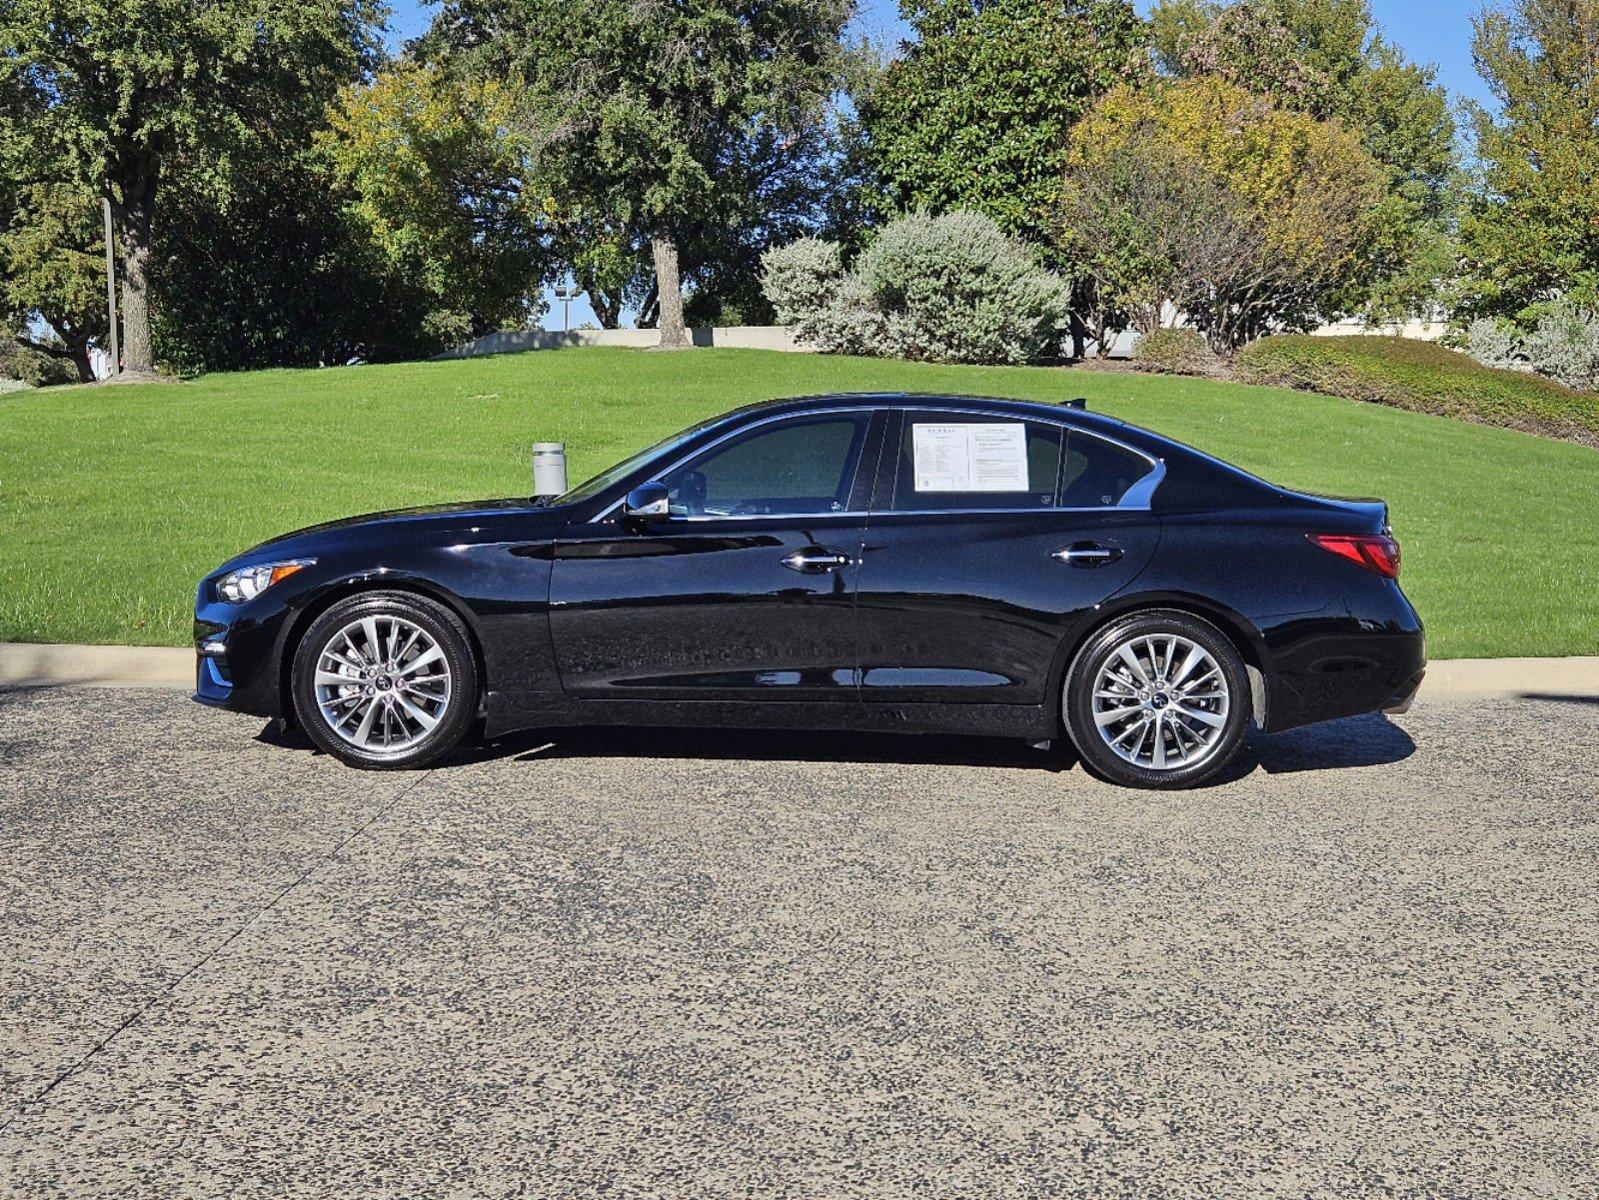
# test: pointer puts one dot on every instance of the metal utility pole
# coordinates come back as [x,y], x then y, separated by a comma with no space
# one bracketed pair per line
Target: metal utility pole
[111,289]
[564,293]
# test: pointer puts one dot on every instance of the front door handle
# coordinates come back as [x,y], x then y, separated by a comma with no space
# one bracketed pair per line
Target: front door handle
[1087,554]
[814,560]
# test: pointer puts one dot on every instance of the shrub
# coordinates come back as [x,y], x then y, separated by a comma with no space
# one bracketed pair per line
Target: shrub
[13,385]
[1564,345]
[33,368]
[809,290]
[1494,345]
[954,288]
[1175,352]
[1423,377]
[939,289]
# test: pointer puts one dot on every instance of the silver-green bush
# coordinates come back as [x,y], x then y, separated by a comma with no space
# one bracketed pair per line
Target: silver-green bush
[811,292]
[1494,345]
[952,288]
[1564,345]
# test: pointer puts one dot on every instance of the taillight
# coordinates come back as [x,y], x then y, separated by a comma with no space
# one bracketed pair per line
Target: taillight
[1375,551]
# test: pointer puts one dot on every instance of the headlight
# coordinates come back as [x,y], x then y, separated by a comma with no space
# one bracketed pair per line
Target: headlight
[249,582]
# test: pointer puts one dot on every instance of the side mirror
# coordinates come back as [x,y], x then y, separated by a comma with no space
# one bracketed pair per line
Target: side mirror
[647,503]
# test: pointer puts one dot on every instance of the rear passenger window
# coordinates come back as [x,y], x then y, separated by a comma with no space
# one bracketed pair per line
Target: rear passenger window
[1097,474]
[966,461]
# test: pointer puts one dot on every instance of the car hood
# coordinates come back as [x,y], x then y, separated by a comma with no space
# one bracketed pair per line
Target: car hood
[479,520]
[423,512]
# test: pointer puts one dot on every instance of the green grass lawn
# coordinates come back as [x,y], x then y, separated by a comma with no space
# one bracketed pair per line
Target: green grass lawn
[114,501]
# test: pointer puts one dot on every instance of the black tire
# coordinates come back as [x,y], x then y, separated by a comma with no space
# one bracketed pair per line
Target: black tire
[1078,702]
[454,716]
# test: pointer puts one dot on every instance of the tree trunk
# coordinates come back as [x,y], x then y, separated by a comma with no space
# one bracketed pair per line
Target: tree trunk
[1079,336]
[133,232]
[607,306]
[78,347]
[669,288]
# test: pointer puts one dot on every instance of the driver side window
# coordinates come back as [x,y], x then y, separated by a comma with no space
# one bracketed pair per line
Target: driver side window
[802,467]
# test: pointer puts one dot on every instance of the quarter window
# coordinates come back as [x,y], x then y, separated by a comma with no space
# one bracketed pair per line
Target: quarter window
[797,468]
[1096,473]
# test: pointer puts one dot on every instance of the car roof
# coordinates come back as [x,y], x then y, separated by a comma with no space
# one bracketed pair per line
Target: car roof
[1143,439]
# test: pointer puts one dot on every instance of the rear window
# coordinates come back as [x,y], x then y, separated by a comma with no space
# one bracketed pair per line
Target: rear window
[969,461]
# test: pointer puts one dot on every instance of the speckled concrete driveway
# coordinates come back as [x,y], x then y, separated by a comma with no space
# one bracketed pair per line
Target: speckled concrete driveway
[716,965]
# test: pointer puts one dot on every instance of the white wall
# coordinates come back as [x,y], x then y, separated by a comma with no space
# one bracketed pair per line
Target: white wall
[737,337]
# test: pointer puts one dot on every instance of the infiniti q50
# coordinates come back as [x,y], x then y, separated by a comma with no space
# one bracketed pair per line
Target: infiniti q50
[909,563]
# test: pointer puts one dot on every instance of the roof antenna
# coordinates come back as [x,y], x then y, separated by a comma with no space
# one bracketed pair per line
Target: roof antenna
[1078,402]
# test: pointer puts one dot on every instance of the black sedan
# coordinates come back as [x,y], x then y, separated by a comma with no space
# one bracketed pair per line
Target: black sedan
[906,563]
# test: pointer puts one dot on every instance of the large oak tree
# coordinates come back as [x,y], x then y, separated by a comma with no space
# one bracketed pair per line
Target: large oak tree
[641,113]
[121,97]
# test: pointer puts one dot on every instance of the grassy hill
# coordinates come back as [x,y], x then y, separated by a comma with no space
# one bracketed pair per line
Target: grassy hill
[114,501]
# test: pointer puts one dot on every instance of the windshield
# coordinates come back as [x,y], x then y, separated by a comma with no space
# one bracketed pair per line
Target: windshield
[592,487]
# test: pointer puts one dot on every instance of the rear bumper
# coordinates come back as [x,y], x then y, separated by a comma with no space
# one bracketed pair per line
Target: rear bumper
[1372,659]
[1405,696]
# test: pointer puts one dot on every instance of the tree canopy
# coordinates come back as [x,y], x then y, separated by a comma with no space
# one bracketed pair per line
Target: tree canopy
[1216,202]
[121,97]
[1326,58]
[975,111]
[434,178]
[1531,232]
[655,122]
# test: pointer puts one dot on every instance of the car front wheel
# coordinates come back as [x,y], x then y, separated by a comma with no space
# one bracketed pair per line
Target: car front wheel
[1157,700]
[385,680]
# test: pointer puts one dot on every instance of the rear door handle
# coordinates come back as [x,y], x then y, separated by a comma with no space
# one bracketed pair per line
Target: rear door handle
[1087,554]
[814,560]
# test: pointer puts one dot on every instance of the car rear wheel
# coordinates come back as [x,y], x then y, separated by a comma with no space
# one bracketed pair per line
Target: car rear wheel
[385,680]
[1157,700]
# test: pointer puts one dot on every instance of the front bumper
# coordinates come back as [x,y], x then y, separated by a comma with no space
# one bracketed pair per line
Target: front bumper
[238,661]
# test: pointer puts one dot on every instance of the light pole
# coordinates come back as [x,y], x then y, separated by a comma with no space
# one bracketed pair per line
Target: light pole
[111,288]
[564,293]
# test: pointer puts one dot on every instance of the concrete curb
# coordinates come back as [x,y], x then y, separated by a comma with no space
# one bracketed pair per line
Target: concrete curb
[24,664]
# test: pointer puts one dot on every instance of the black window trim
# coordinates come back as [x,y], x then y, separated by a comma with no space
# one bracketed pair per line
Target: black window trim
[1137,498]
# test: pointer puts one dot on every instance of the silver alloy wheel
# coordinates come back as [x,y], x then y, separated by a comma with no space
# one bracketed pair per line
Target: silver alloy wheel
[1161,702]
[382,683]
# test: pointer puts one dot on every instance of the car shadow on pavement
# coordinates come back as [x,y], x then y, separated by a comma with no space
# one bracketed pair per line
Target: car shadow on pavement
[772,746]
[1365,741]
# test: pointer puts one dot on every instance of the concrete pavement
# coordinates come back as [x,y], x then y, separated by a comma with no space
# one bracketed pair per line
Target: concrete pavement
[674,964]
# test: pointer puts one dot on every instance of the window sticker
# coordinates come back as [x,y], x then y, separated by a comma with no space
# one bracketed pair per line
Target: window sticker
[970,458]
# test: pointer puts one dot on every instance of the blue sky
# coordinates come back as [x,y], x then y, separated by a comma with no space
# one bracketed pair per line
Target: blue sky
[1435,32]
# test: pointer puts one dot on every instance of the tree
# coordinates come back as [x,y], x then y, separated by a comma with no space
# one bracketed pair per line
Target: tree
[1200,197]
[1531,229]
[118,97]
[432,176]
[639,115]
[52,265]
[1325,58]
[976,111]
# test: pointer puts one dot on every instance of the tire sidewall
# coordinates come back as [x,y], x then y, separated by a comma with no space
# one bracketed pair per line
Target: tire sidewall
[442,625]
[1077,706]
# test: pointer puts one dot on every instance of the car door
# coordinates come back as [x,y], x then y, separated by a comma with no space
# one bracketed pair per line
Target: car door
[989,537]
[745,592]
